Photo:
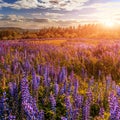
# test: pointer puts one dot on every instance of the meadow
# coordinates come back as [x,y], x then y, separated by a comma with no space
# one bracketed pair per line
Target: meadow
[77,79]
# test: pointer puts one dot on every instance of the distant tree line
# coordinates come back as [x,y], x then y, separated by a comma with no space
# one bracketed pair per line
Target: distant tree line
[82,31]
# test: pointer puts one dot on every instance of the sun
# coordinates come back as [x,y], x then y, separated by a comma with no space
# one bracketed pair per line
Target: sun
[108,23]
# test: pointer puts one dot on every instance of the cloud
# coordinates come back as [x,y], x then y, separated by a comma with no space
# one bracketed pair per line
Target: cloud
[53,4]
[69,5]
[54,1]
[1,15]
[21,4]
[40,20]
[35,14]
[57,12]
[90,2]
[4,4]
[26,4]
[50,15]
[53,15]
[36,23]
[19,18]
[66,23]
[12,17]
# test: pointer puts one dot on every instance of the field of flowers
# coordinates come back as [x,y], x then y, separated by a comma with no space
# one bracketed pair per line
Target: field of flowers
[64,80]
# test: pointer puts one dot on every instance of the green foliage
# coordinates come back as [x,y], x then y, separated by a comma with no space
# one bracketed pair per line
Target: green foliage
[95,109]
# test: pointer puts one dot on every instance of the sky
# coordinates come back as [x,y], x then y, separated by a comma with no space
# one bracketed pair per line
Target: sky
[35,14]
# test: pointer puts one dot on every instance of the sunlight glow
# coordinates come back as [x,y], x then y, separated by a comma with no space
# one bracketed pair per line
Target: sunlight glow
[108,23]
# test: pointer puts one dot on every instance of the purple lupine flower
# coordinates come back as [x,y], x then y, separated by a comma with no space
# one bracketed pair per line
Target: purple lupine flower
[62,90]
[114,106]
[75,114]
[69,113]
[118,114]
[41,115]
[25,89]
[38,79]
[28,102]
[118,90]
[78,101]
[13,89]
[28,110]
[48,81]
[45,80]
[56,89]
[40,70]
[53,102]
[101,113]
[86,110]
[72,75]
[12,117]
[69,88]
[65,86]
[89,95]
[76,85]
[64,118]
[35,80]
[62,75]
[1,108]
[15,66]
[113,85]
[4,110]
[46,75]
[27,65]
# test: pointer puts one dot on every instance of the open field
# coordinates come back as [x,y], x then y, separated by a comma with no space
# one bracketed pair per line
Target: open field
[64,79]
[59,59]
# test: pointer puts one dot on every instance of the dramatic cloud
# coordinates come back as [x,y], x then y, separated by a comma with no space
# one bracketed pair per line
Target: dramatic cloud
[37,23]
[13,20]
[55,4]
[41,13]
[26,4]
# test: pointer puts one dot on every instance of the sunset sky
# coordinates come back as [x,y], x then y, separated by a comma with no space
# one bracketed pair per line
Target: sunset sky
[36,14]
